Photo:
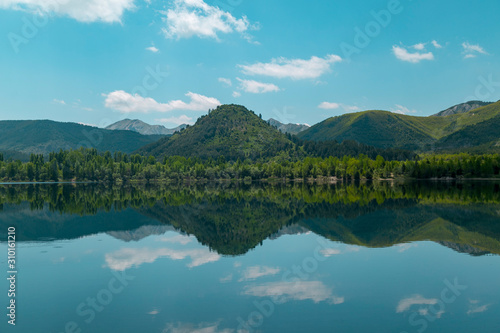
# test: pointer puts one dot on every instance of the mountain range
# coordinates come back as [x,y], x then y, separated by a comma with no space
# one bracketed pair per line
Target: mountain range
[236,132]
[143,128]
[44,136]
[384,129]
[288,128]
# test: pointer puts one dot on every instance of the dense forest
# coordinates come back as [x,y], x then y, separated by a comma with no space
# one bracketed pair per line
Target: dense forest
[91,165]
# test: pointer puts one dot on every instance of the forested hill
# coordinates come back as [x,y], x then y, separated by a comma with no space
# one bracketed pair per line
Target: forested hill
[236,133]
[45,136]
[231,131]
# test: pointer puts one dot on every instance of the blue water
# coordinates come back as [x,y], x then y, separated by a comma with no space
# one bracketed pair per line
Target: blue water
[157,279]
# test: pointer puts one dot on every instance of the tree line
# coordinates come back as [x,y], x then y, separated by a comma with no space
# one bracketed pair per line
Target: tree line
[91,165]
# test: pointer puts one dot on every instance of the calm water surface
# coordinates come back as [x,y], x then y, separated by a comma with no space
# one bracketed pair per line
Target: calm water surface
[419,257]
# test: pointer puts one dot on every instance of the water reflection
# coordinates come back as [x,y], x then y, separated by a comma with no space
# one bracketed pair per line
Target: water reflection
[260,258]
[233,219]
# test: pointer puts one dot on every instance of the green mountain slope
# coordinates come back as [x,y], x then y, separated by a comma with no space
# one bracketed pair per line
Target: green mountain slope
[483,137]
[381,129]
[460,121]
[385,129]
[230,130]
[45,136]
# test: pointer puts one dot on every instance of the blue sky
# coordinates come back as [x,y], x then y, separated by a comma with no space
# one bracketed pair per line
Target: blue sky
[167,62]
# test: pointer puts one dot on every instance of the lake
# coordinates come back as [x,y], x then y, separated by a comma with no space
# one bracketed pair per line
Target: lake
[369,257]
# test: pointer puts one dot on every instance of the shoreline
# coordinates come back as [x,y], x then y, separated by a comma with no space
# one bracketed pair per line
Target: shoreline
[322,180]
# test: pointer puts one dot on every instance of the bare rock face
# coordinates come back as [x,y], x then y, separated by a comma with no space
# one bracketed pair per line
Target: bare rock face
[462,108]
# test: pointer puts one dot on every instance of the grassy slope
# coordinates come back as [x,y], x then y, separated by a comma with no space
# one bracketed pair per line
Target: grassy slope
[44,136]
[386,129]
[484,136]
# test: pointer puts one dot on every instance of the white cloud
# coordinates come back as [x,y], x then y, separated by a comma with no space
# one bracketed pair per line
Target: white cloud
[471,51]
[436,44]
[126,103]
[400,109]
[108,11]
[226,279]
[474,307]
[333,106]
[405,247]
[227,82]
[193,328]
[350,107]
[330,252]
[131,257]
[178,239]
[406,303]
[152,49]
[329,106]
[256,87]
[189,18]
[59,101]
[236,94]
[255,272]
[300,290]
[403,54]
[419,46]
[295,69]
[177,120]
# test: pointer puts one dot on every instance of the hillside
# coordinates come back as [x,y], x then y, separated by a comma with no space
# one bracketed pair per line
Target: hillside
[231,131]
[389,130]
[288,128]
[481,137]
[462,108]
[45,136]
[143,128]
[381,129]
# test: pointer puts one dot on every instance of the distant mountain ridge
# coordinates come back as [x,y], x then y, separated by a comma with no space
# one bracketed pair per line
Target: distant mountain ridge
[288,128]
[143,128]
[462,108]
[235,132]
[45,136]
